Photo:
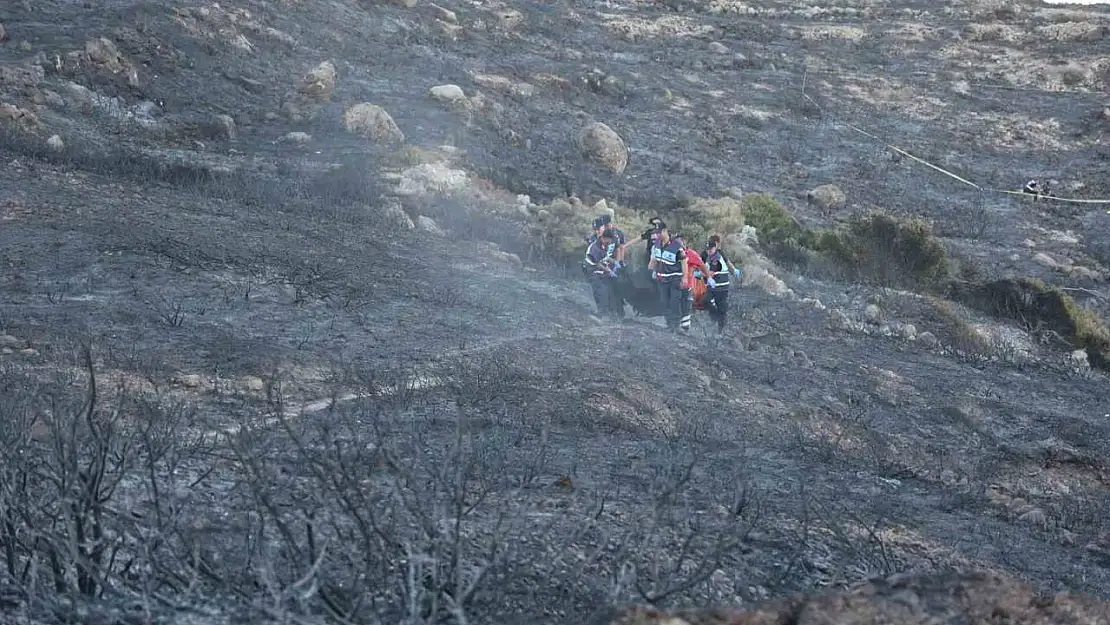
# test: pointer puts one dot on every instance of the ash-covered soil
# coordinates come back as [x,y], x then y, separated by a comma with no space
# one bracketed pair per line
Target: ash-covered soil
[423,422]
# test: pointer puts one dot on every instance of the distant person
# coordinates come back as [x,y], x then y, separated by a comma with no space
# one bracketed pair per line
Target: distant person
[1036,189]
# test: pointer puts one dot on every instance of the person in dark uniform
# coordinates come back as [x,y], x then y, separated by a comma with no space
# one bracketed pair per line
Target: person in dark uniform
[668,266]
[601,269]
[1036,189]
[721,272]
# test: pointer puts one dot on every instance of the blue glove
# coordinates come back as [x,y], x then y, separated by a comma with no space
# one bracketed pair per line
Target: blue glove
[738,272]
[697,273]
[712,283]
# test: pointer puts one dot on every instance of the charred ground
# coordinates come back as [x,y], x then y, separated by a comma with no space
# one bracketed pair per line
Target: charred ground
[421,426]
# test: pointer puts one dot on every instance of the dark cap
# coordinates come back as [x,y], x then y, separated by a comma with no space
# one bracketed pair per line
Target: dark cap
[603,220]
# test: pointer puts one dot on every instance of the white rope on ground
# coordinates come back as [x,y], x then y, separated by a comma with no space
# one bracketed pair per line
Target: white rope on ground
[950,174]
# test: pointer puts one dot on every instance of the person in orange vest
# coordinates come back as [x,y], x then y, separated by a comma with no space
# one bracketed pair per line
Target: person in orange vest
[693,262]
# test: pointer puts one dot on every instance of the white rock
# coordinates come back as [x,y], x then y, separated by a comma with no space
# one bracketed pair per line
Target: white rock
[1044,259]
[602,207]
[815,303]
[7,340]
[55,143]
[397,215]
[431,179]
[717,47]
[372,122]
[296,137]
[427,224]
[224,126]
[909,331]
[191,380]
[446,15]
[253,383]
[447,93]
[838,320]
[873,314]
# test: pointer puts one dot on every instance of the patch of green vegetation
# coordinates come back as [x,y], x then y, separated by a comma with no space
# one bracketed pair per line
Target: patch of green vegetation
[881,248]
[1039,306]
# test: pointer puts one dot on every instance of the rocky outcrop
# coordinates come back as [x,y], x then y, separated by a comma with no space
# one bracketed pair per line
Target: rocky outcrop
[973,598]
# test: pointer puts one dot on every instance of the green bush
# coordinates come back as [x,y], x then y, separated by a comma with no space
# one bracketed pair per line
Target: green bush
[881,248]
[1040,306]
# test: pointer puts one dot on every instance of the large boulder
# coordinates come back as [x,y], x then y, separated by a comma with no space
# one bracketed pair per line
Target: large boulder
[372,122]
[602,145]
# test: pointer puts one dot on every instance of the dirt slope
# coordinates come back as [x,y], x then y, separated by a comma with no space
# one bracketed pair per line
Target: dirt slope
[423,426]
[903,600]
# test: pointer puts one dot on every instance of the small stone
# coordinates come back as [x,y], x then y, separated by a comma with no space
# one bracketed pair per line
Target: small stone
[28,352]
[734,192]
[909,331]
[602,207]
[427,224]
[253,383]
[7,340]
[1035,516]
[297,137]
[873,314]
[53,99]
[223,126]
[191,380]
[55,143]
[372,122]
[447,93]
[1045,260]
[446,15]
[716,47]
[450,31]
[928,339]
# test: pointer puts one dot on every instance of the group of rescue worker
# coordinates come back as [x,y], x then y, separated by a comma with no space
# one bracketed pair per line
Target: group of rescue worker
[673,267]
